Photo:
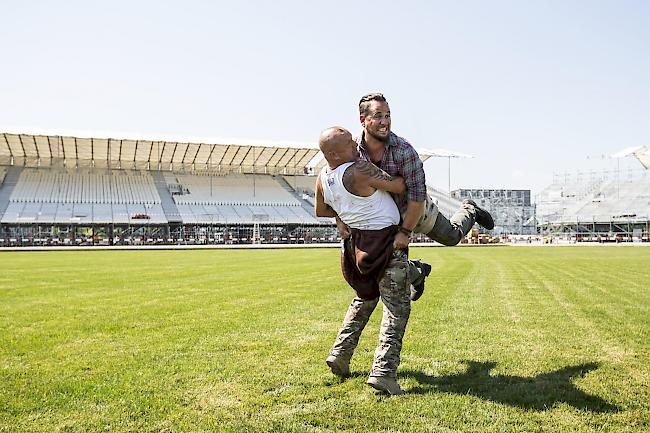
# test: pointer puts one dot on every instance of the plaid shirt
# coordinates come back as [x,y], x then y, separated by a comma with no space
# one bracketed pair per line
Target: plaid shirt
[400,159]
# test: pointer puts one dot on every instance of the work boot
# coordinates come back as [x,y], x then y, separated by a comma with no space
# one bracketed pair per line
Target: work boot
[385,384]
[417,287]
[339,366]
[483,217]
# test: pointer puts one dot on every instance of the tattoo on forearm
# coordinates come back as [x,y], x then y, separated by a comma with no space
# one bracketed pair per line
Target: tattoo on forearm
[362,168]
[371,170]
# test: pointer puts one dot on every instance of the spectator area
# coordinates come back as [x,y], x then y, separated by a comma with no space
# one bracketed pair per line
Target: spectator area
[598,201]
[237,198]
[100,196]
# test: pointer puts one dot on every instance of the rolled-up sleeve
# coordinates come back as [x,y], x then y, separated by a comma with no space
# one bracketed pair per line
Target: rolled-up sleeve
[413,172]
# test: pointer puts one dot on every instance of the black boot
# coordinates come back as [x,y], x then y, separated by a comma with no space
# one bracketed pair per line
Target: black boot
[483,217]
[417,287]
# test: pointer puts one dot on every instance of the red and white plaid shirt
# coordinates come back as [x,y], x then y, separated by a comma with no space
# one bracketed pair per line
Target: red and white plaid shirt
[400,159]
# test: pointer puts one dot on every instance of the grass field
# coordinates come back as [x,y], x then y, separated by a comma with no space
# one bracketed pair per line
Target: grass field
[504,340]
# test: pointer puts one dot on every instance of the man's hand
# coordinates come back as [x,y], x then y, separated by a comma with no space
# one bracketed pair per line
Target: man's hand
[344,230]
[401,241]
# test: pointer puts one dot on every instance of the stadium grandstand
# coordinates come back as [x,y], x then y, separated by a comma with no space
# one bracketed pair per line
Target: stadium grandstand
[73,190]
[601,206]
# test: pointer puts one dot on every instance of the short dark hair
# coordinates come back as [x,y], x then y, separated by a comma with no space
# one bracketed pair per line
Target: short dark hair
[364,103]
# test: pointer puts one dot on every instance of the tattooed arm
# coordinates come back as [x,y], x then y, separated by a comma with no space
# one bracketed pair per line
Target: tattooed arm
[363,178]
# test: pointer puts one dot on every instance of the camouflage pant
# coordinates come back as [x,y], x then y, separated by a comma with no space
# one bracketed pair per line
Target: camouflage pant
[394,293]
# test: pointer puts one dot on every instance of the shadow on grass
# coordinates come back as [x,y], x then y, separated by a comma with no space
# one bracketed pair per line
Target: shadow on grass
[335,380]
[540,392]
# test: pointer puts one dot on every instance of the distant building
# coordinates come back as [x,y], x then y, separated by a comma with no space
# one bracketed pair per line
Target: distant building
[511,208]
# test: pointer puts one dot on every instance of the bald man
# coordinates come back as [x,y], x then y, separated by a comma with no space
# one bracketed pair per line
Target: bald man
[356,193]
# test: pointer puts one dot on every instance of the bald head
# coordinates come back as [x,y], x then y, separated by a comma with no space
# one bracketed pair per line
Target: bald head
[330,137]
[337,146]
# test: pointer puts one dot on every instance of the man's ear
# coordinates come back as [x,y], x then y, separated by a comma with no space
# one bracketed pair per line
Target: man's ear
[362,118]
[331,154]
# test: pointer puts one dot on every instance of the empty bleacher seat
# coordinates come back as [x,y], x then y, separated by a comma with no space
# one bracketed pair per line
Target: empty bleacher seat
[102,196]
[84,195]
[231,189]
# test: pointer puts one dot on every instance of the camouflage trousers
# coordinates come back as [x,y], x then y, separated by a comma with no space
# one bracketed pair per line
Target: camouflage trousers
[394,291]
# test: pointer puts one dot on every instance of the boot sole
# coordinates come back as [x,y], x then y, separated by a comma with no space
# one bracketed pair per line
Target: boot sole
[484,219]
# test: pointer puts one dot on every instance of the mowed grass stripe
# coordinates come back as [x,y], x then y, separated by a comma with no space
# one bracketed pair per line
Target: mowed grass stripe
[504,339]
[617,284]
[606,315]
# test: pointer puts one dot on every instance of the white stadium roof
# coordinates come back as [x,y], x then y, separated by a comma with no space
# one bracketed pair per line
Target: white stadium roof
[155,153]
[641,153]
[644,158]
[628,151]
[150,152]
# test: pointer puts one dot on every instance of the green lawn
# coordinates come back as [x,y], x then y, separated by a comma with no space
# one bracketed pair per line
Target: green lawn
[504,339]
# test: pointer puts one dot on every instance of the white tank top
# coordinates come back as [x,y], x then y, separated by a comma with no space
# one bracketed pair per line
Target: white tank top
[374,212]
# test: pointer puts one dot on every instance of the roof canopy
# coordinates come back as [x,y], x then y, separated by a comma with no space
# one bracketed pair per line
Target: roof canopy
[44,150]
[642,154]
[628,151]
[70,151]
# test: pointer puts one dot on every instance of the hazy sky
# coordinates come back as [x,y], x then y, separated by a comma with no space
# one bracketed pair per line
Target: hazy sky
[529,88]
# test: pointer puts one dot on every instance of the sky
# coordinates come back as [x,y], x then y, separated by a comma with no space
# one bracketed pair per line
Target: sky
[530,88]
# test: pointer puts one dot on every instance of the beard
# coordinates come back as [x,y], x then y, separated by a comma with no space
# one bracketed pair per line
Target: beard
[378,137]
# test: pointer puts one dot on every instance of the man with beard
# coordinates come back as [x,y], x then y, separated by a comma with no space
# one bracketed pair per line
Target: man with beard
[356,192]
[394,155]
